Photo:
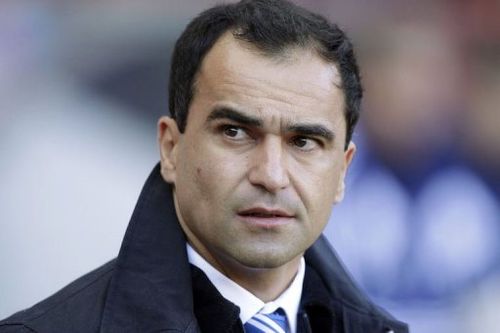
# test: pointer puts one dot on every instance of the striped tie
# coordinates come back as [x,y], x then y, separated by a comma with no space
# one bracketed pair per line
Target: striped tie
[267,323]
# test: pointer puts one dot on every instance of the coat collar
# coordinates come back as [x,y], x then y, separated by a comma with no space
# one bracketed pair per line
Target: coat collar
[359,314]
[151,288]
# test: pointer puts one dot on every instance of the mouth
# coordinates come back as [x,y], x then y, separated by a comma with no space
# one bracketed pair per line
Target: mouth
[266,218]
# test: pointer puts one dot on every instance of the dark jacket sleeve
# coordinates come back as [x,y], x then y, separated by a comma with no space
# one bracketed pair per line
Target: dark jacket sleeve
[76,308]
[17,328]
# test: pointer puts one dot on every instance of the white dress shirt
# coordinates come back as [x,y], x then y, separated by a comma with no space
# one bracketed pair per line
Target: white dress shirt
[248,303]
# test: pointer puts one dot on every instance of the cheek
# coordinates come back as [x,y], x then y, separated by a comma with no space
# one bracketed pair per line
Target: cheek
[213,173]
[198,191]
[317,185]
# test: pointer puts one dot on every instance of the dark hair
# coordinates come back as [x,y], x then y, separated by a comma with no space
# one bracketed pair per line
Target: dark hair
[271,26]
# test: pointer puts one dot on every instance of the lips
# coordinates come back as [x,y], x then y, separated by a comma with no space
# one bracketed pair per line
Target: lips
[265,213]
[266,218]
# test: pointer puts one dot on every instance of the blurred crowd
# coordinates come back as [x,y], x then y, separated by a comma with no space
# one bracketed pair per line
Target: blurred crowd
[420,224]
[83,82]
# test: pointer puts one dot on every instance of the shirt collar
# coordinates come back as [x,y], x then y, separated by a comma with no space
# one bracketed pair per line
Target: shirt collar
[248,303]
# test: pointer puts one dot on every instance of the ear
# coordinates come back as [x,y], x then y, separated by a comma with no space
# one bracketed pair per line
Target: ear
[168,140]
[348,156]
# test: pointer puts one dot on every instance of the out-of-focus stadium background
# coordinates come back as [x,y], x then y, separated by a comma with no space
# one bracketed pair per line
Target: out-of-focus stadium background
[82,84]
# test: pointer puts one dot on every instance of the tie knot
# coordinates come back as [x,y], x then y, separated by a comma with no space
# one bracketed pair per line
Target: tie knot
[275,322]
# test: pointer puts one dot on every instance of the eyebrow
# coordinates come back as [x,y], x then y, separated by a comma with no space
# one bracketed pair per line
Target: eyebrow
[312,130]
[236,116]
[316,130]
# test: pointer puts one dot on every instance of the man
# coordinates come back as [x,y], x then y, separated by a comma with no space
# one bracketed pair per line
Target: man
[224,238]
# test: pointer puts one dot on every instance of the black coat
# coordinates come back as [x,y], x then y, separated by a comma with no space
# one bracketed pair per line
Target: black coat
[149,287]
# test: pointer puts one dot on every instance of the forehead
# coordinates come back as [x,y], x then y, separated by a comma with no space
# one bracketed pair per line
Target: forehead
[298,81]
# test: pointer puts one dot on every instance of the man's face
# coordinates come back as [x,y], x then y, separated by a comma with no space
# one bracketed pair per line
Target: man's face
[261,161]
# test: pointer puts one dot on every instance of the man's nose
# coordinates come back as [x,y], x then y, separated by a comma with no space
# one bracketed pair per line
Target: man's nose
[268,167]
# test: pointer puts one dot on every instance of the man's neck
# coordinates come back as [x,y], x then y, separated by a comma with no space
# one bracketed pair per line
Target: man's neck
[248,303]
[265,283]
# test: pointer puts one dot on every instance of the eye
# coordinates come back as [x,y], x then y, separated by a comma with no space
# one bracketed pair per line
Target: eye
[304,143]
[234,132]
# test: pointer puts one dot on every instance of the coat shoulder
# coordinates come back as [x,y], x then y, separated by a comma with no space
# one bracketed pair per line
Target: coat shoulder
[77,307]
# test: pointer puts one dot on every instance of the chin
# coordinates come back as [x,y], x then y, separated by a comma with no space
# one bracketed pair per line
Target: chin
[267,259]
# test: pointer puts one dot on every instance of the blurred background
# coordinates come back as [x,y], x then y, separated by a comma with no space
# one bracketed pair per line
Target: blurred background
[82,84]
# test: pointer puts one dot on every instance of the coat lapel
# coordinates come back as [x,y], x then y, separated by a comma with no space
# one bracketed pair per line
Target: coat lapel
[151,288]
